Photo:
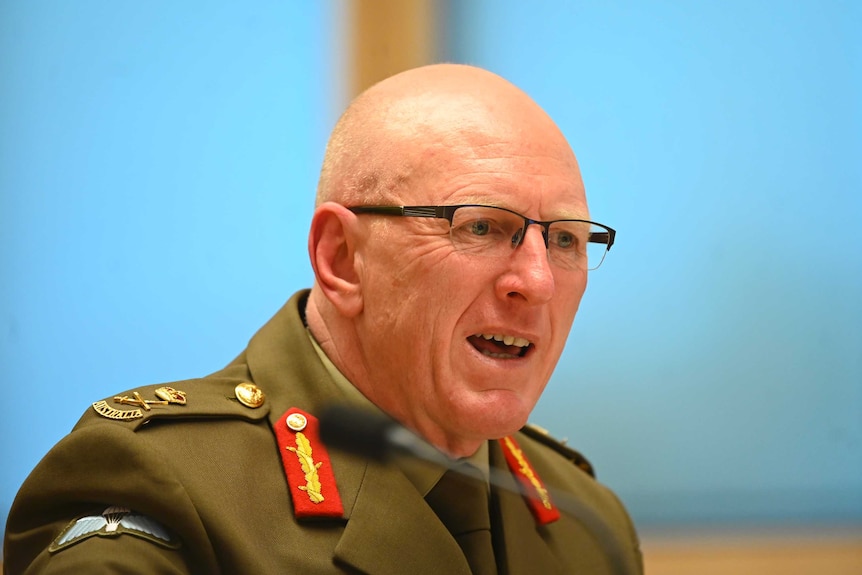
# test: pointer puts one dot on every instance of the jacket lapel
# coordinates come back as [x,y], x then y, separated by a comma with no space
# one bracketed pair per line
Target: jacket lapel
[388,511]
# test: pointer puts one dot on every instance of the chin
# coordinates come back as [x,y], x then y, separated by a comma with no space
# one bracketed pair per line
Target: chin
[498,419]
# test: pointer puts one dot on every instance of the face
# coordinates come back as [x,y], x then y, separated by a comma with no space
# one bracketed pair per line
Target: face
[429,310]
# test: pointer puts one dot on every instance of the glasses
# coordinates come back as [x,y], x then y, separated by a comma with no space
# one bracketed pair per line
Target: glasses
[494,232]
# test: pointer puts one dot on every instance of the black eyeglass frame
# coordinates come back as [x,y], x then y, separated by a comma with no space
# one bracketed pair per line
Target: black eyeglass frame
[448,212]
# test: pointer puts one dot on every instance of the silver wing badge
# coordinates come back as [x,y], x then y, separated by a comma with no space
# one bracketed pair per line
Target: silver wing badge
[113,522]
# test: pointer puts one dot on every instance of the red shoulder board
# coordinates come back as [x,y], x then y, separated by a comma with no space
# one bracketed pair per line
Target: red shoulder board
[535,493]
[307,466]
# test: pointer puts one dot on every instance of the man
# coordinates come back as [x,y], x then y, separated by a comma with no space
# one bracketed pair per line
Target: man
[442,297]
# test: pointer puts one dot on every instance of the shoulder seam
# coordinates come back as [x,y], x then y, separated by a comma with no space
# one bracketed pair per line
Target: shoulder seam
[542,436]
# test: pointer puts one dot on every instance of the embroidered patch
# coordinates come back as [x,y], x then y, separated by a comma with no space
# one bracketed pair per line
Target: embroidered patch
[536,495]
[113,522]
[307,466]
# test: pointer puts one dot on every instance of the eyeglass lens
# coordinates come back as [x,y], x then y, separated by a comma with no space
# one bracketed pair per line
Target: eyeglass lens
[495,232]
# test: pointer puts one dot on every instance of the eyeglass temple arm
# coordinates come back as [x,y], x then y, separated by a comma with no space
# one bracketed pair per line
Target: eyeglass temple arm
[414,211]
[384,210]
[606,238]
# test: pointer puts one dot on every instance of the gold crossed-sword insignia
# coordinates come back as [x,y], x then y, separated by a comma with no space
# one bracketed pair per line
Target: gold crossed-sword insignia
[139,401]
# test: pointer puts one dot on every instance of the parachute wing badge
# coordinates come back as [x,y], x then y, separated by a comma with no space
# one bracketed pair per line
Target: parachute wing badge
[113,522]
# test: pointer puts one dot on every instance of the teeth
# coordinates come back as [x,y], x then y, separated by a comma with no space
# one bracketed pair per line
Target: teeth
[506,339]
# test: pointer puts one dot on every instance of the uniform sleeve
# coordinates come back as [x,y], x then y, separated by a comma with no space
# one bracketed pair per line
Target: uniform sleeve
[59,522]
[631,536]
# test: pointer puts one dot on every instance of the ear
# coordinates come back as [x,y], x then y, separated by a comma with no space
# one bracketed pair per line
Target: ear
[332,244]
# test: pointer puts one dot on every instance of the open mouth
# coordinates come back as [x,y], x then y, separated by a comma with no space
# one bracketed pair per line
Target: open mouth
[500,346]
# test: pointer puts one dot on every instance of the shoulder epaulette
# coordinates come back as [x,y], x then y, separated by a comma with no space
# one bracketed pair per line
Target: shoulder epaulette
[193,398]
[542,436]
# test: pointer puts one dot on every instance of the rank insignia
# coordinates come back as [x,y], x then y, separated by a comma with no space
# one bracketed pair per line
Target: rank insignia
[166,395]
[139,401]
[535,493]
[307,466]
[113,522]
[171,395]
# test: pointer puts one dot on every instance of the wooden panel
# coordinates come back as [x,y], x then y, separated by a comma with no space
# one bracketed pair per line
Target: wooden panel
[389,36]
[755,553]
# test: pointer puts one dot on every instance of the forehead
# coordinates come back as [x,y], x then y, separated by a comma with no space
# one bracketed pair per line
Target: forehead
[452,148]
[539,180]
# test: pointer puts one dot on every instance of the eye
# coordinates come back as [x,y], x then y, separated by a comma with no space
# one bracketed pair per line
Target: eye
[567,237]
[565,240]
[483,227]
[480,228]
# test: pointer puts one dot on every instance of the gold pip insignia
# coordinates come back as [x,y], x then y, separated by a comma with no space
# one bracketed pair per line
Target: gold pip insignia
[105,410]
[249,395]
[171,395]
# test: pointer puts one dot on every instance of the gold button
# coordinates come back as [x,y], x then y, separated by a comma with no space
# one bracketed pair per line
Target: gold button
[249,395]
[296,421]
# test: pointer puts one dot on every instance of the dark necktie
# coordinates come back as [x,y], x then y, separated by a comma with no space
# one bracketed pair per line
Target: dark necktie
[461,503]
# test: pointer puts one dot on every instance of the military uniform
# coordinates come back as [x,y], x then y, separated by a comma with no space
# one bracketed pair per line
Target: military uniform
[203,487]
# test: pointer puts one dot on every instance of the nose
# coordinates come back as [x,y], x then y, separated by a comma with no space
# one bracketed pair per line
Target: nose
[518,238]
[528,275]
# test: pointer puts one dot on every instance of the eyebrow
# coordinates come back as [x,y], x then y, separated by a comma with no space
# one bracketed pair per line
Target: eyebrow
[574,214]
[568,215]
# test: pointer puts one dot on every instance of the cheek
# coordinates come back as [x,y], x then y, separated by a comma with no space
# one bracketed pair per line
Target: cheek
[428,275]
[408,293]
[566,306]
[571,288]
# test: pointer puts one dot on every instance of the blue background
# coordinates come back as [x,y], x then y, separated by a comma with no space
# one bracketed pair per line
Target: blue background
[158,163]
[714,373]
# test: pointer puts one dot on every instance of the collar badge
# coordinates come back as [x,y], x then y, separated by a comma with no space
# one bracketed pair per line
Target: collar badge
[307,466]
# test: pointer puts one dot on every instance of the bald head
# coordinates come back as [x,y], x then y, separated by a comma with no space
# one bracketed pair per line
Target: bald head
[381,140]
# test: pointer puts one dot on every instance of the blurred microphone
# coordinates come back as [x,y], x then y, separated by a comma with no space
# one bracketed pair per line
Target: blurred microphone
[374,435]
[378,437]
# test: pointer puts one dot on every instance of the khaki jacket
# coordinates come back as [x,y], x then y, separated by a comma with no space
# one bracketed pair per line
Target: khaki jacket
[210,472]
